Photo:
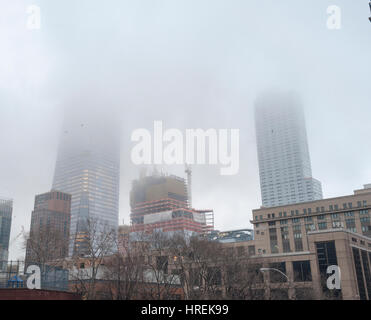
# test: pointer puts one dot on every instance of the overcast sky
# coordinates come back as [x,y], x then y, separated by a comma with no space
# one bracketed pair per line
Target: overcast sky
[191,64]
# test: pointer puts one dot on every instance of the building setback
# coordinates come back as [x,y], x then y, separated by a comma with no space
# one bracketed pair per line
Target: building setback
[284,162]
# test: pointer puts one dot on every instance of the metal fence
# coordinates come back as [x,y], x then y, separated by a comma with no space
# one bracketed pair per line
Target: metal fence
[13,275]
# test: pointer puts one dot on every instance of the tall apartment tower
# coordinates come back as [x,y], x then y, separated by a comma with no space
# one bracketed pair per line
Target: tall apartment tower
[284,162]
[88,168]
[6,209]
[50,228]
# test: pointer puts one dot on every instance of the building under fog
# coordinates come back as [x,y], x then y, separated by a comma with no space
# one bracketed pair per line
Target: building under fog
[160,203]
[284,162]
[50,228]
[88,168]
[6,209]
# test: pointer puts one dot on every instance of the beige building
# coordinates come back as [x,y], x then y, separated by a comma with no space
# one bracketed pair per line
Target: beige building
[302,240]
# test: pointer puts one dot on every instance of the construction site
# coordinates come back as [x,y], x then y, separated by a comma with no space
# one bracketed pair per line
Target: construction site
[161,202]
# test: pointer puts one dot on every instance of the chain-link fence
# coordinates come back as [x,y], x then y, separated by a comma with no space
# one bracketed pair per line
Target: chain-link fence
[13,274]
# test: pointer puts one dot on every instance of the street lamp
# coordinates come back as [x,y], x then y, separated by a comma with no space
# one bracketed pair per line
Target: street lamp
[279,271]
[370,11]
[274,269]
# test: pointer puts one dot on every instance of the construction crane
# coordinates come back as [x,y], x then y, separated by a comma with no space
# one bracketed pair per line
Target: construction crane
[188,171]
[17,236]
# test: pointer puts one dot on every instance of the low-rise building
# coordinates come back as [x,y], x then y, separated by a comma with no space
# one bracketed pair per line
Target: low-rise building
[303,240]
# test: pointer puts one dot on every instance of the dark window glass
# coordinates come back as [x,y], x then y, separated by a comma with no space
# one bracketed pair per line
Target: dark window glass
[359,274]
[302,271]
[275,276]
[366,268]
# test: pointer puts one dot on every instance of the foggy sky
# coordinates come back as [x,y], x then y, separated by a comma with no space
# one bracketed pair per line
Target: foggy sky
[191,64]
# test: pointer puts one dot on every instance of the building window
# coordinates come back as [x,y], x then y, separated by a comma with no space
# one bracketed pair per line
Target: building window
[297,235]
[359,274]
[321,217]
[310,227]
[326,255]
[363,212]
[298,243]
[337,224]
[350,223]
[275,276]
[251,250]
[366,269]
[296,220]
[286,245]
[273,240]
[365,219]
[302,271]
[322,225]
[335,216]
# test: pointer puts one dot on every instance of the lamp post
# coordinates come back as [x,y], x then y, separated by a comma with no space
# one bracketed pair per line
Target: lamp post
[370,10]
[279,271]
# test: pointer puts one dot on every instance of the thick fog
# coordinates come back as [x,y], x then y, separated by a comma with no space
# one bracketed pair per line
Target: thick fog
[191,64]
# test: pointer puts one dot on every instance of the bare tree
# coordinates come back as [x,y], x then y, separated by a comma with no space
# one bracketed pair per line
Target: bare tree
[96,242]
[44,245]
[124,273]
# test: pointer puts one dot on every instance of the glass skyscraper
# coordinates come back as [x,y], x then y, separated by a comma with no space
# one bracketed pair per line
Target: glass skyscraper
[88,168]
[6,209]
[283,154]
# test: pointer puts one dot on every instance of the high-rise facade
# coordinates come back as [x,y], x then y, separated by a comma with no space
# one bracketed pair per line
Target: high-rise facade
[88,168]
[50,228]
[6,209]
[284,162]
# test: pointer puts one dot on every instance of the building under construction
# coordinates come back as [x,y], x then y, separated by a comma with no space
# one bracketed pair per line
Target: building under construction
[161,202]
